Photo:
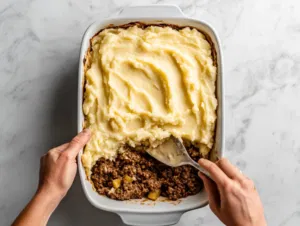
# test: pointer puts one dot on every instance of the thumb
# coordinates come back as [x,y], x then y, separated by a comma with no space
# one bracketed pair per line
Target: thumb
[78,142]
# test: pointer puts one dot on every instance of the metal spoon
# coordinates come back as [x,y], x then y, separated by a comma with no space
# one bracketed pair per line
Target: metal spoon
[173,153]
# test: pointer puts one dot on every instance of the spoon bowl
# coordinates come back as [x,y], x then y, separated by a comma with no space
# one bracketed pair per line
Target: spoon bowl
[173,153]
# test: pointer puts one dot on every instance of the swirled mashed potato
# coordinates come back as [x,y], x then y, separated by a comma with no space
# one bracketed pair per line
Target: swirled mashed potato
[143,85]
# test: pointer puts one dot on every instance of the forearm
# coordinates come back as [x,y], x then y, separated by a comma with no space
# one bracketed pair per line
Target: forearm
[39,209]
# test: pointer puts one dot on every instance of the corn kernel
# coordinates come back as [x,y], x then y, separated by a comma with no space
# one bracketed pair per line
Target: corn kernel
[128,179]
[116,183]
[153,195]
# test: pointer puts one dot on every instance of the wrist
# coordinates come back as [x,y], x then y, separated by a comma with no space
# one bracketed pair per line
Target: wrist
[50,194]
[42,205]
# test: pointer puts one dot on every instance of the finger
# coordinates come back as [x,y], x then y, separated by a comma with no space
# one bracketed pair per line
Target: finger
[59,148]
[230,170]
[212,192]
[77,143]
[215,172]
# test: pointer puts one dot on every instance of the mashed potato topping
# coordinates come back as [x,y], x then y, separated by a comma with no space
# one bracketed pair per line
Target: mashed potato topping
[143,85]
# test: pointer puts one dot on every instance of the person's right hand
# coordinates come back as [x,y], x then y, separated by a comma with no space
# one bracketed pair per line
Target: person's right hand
[232,196]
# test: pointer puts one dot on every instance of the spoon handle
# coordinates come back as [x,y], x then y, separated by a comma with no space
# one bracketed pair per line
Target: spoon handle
[198,167]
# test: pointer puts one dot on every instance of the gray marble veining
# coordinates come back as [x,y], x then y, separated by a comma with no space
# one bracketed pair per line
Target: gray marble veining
[39,48]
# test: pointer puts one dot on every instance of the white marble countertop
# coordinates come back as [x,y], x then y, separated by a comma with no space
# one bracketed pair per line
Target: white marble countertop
[39,47]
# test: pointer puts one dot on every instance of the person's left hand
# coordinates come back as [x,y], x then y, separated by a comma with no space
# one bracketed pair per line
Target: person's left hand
[58,167]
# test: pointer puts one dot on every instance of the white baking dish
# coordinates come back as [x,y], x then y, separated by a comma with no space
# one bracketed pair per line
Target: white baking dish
[162,213]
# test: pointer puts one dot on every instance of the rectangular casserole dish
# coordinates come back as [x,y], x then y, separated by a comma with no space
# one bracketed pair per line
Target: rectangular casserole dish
[137,212]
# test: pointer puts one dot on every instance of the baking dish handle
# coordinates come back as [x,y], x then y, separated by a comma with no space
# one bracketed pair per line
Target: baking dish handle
[151,11]
[157,219]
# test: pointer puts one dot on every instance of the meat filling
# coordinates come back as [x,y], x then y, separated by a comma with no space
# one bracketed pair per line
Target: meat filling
[135,174]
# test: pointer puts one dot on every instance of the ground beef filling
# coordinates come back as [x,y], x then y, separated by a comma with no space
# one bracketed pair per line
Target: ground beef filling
[135,174]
